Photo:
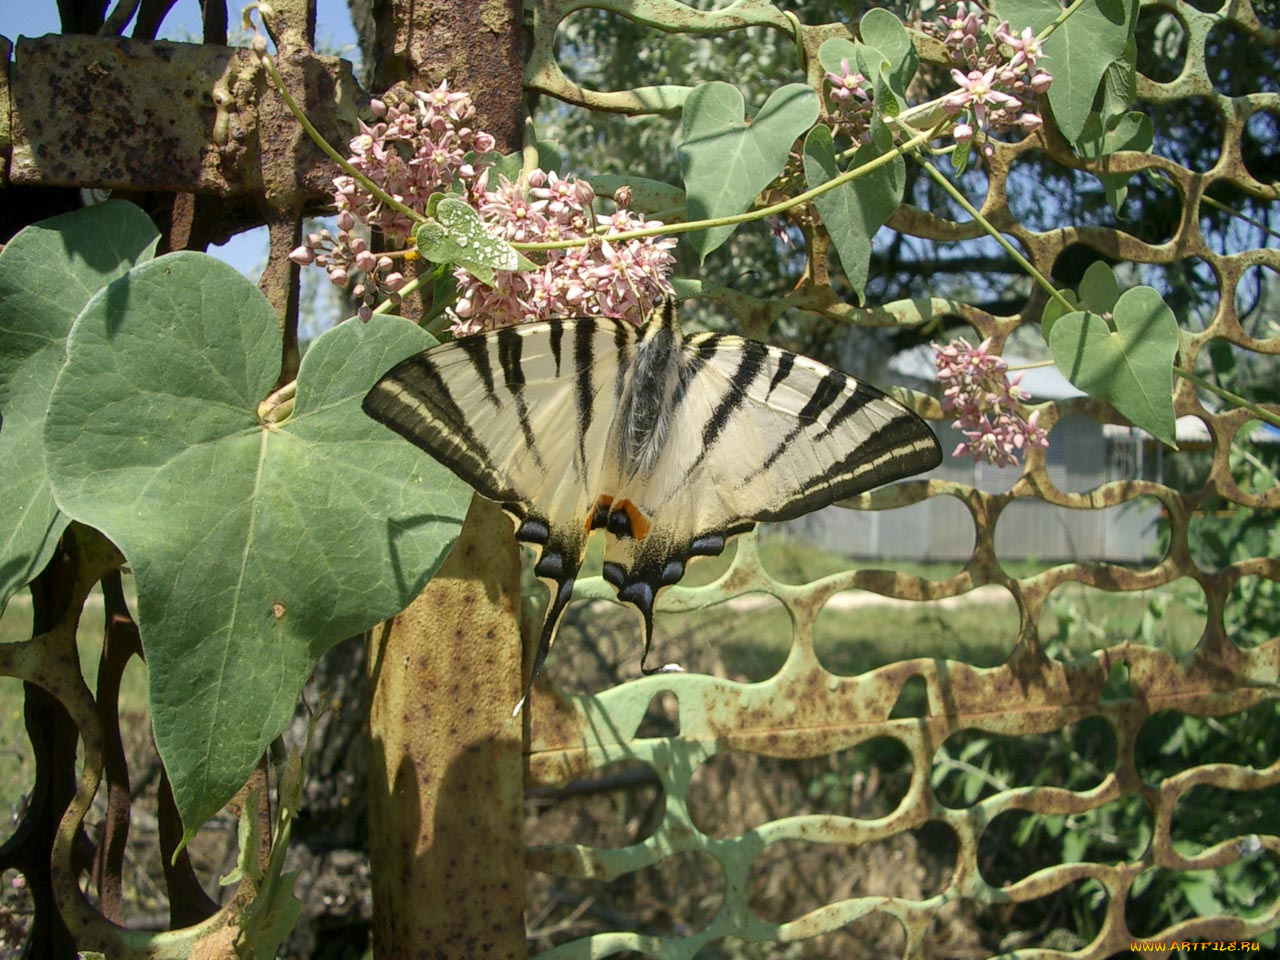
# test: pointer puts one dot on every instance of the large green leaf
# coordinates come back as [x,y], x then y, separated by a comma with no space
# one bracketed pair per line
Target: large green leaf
[1128,131]
[1078,53]
[854,211]
[726,161]
[254,547]
[1129,365]
[48,272]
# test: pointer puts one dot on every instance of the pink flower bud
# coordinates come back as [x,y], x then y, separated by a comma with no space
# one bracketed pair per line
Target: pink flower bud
[963,132]
[346,221]
[338,276]
[366,261]
[302,256]
[393,281]
[1041,81]
[377,107]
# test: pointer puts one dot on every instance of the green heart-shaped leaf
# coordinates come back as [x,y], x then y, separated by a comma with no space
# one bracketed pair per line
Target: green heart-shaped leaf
[254,547]
[727,162]
[853,212]
[883,32]
[1078,53]
[48,272]
[1130,366]
[1099,289]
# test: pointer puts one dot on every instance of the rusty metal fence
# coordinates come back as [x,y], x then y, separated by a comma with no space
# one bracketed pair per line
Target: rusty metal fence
[677,736]
[805,710]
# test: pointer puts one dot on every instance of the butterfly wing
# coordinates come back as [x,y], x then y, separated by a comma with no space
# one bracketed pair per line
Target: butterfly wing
[521,414]
[756,433]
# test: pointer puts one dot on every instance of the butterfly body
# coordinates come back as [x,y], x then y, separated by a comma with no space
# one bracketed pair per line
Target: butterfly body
[672,445]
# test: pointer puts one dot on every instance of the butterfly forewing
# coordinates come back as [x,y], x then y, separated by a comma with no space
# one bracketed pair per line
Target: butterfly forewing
[520,414]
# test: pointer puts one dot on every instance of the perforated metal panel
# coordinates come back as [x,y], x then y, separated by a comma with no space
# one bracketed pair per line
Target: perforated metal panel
[1122,695]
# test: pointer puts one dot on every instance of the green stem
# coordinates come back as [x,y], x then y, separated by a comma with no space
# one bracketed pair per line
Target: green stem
[381,195]
[1253,222]
[995,234]
[1253,461]
[1262,413]
[1060,19]
[779,207]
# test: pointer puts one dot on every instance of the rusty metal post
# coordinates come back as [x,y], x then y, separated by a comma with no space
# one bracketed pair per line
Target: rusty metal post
[447,772]
[446,778]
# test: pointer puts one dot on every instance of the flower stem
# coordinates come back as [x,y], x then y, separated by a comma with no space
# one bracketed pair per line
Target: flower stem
[1262,413]
[382,196]
[995,234]
[779,207]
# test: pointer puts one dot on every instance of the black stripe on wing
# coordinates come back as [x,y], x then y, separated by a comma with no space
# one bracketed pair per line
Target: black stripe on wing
[414,401]
[749,367]
[510,347]
[902,447]
[583,363]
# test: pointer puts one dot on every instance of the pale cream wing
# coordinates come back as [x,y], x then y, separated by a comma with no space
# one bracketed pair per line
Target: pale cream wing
[757,433]
[522,415]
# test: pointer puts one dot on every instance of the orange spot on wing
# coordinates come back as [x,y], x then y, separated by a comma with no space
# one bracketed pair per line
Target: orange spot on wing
[639,522]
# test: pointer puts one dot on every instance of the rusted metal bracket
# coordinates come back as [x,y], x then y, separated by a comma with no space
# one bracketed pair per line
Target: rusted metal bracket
[77,115]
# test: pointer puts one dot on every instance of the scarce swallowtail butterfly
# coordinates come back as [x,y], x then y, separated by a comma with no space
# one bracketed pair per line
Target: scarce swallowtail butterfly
[672,445]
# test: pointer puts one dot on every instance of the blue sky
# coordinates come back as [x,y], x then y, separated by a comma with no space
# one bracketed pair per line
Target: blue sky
[334,34]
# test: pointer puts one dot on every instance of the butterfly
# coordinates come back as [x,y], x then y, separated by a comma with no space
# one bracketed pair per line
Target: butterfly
[670,444]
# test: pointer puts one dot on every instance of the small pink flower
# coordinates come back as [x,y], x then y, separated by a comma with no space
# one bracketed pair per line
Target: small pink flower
[977,387]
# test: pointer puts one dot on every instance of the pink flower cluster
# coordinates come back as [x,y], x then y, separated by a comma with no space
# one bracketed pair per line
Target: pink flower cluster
[605,277]
[413,149]
[428,145]
[851,106]
[998,77]
[977,386]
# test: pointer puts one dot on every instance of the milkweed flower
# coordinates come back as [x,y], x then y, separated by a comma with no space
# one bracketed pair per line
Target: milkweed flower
[429,144]
[603,278]
[997,74]
[977,387]
[851,104]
